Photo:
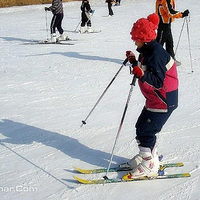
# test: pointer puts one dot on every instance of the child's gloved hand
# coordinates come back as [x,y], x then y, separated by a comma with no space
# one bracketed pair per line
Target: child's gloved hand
[138,72]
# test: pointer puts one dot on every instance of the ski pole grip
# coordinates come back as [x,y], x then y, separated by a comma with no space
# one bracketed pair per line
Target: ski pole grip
[134,80]
[125,61]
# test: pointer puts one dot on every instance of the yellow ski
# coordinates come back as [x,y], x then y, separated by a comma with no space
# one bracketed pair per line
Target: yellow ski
[102,181]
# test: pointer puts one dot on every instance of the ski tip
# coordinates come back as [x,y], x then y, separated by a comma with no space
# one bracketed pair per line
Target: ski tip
[76,168]
[81,180]
[183,175]
[83,171]
[186,175]
[86,181]
[180,164]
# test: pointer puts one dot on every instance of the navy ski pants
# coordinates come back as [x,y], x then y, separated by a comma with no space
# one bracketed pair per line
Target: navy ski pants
[148,124]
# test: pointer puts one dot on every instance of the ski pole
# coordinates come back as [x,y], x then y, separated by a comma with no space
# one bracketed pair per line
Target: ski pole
[180,35]
[77,26]
[121,123]
[189,45]
[46,25]
[124,63]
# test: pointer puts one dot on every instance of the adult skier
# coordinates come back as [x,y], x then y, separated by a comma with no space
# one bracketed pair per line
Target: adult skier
[56,22]
[85,17]
[157,79]
[167,13]
[110,11]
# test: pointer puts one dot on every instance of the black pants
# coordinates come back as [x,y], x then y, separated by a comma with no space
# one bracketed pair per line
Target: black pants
[56,22]
[164,36]
[85,20]
[110,8]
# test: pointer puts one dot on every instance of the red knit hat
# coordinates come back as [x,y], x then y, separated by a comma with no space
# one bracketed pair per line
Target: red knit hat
[144,30]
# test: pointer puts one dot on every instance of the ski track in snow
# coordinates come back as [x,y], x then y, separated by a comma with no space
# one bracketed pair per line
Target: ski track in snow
[47,90]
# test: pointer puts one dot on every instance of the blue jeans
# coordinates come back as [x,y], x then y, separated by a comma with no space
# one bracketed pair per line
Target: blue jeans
[148,124]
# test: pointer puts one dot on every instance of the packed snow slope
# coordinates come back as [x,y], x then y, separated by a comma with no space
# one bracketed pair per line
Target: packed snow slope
[47,90]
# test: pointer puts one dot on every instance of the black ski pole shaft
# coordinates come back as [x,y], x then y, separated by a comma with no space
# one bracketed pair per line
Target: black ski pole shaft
[121,123]
[124,63]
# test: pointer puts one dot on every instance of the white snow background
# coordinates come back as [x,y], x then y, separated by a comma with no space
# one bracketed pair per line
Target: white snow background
[47,90]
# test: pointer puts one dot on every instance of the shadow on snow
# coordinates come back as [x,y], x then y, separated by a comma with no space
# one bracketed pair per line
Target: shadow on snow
[19,133]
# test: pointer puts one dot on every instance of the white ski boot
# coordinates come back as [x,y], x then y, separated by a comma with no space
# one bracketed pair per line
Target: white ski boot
[133,163]
[52,39]
[148,167]
[82,30]
[89,29]
[63,37]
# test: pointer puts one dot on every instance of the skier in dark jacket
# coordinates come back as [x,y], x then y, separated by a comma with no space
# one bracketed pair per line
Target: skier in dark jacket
[56,22]
[157,78]
[85,16]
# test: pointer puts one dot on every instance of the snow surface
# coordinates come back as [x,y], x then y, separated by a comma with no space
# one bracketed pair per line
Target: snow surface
[47,90]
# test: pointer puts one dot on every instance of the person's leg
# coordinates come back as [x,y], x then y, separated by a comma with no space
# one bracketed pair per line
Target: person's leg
[63,35]
[170,44]
[53,30]
[148,124]
[110,8]
[52,26]
[83,22]
[58,23]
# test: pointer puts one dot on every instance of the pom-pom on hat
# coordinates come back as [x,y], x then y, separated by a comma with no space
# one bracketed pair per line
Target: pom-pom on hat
[144,30]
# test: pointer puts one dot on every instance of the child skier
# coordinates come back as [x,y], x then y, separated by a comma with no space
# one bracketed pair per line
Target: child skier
[56,22]
[85,17]
[157,79]
[167,13]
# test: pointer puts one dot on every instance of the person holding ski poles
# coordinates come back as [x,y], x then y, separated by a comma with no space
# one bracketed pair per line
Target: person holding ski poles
[157,78]
[167,14]
[56,22]
[85,17]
